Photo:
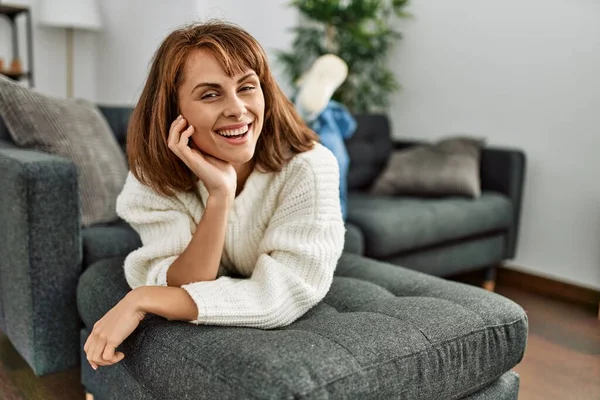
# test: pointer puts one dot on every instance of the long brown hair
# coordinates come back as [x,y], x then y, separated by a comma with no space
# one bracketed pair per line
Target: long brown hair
[284,133]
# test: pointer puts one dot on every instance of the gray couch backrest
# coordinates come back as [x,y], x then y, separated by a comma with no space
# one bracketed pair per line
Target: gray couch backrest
[118,118]
[369,148]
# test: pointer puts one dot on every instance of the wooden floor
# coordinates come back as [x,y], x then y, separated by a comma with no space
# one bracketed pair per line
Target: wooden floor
[562,360]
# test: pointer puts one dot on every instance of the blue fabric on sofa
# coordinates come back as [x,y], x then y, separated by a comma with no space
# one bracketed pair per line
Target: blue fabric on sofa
[381,332]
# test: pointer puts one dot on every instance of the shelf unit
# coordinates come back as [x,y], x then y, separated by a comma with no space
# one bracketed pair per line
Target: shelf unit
[11,12]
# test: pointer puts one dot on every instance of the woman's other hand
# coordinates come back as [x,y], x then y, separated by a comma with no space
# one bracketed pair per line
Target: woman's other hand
[218,176]
[111,330]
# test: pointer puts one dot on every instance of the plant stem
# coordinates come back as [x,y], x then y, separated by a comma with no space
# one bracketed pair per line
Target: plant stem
[330,39]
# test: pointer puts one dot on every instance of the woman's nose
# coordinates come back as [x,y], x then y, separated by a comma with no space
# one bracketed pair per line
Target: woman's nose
[236,108]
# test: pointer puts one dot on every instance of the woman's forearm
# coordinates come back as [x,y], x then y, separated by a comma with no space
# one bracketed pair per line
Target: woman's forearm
[200,260]
[168,302]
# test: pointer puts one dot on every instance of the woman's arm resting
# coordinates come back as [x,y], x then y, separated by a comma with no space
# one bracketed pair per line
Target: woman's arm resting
[201,258]
[172,303]
[118,323]
[176,250]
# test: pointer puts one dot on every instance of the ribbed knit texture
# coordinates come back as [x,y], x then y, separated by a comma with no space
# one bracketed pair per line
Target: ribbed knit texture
[284,237]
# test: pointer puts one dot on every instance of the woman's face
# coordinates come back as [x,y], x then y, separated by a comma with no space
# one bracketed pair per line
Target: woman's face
[227,112]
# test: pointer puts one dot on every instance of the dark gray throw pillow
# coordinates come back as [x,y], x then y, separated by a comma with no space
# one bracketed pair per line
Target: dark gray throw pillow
[448,167]
[74,129]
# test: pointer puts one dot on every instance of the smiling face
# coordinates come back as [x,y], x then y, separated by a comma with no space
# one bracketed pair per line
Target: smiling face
[227,112]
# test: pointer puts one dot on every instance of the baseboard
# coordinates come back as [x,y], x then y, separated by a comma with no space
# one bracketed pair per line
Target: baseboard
[547,287]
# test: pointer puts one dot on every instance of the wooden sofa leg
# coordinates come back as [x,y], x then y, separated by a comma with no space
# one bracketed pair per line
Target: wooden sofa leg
[489,282]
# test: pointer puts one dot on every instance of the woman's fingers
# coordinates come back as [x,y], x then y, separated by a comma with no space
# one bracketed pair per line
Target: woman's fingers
[103,354]
[88,349]
[100,353]
[86,346]
[98,350]
[109,352]
[184,139]
[175,131]
[91,343]
[184,145]
[176,121]
[119,355]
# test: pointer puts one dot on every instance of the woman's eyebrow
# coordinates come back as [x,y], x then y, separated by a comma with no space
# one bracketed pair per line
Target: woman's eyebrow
[218,86]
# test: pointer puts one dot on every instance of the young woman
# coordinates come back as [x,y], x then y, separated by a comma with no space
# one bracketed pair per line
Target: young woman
[236,204]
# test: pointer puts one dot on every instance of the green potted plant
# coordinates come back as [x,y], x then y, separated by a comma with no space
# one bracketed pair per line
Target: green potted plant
[358,31]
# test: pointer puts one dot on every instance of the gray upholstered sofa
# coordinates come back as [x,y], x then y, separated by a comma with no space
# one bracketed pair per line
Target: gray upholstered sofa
[382,332]
[440,236]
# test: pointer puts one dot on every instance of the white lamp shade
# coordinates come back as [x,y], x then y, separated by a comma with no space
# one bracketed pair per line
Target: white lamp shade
[78,14]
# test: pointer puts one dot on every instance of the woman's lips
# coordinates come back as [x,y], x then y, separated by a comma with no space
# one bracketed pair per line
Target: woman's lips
[237,139]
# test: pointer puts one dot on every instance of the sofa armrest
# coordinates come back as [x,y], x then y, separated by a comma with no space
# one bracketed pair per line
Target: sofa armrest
[503,170]
[40,257]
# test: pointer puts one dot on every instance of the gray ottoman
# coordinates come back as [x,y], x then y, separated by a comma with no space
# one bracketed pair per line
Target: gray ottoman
[382,332]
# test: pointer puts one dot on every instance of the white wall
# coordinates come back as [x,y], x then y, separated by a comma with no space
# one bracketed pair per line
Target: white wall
[49,53]
[135,28]
[269,21]
[524,73]
[111,65]
[132,33]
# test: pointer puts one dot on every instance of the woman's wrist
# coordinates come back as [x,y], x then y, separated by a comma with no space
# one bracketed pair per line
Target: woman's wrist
[169,302]
[220,199]
[139,299]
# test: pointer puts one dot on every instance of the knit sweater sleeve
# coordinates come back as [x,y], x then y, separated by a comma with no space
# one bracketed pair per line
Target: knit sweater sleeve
[298,253]
[165,227]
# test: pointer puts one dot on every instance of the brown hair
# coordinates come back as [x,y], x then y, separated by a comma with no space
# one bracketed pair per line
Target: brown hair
[284,133]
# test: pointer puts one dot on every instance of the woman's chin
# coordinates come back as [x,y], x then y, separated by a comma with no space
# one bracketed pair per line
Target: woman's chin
[240,157]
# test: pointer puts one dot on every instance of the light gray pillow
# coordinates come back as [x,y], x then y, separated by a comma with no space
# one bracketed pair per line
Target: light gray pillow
[449,167]
[74,129]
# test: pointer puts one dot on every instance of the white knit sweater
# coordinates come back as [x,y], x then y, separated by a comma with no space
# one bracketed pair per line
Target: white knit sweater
[284,236]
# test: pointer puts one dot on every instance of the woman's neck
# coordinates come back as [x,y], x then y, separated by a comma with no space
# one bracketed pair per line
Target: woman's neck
[243,171]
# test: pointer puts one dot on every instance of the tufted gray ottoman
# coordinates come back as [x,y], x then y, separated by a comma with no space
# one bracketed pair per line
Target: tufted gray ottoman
[382,332]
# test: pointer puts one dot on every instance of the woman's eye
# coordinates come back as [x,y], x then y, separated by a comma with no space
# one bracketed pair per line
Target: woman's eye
[209,96]
[247,88]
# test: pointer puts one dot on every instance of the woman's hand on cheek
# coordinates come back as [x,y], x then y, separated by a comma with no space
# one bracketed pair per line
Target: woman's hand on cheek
[111,330]
[218,176]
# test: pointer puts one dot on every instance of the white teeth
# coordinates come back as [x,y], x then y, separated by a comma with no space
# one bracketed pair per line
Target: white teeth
[234,132]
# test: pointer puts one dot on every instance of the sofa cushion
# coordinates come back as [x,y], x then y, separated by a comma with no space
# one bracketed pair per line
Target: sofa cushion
[454,257]
[381,332]
[393,225]
[448,167]
[74,129]
[116,239]
[354,240]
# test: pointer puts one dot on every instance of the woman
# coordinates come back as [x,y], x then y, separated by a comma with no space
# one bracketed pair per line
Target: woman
[236,204]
